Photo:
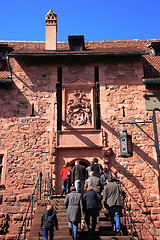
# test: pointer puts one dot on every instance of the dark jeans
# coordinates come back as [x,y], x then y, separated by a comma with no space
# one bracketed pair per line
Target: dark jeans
[50,231]
[91,213]
[66,185]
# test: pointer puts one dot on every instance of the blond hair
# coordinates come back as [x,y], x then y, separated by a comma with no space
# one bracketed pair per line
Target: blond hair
[91,173]
[89,188]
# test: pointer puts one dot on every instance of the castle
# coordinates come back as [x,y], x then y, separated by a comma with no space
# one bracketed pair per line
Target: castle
[62,101]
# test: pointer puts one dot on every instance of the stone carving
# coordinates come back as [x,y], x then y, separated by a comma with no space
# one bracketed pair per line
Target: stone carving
[51,18]
[78,109]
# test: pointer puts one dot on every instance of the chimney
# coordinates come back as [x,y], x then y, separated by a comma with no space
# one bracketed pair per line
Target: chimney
[51,31]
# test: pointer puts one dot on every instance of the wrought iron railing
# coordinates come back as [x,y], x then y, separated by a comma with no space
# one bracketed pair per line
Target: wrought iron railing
[27,222]
[48,187]
[129,221]
[127,213]
[48,193]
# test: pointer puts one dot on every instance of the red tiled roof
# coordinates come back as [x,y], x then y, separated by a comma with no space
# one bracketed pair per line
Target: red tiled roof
[91,47]
[110,47]
[151,66]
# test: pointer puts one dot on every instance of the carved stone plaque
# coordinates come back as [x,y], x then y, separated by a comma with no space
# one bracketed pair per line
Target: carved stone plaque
[78,109]
[78,104]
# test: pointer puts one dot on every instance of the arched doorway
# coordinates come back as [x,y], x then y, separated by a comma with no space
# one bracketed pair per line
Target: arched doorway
[83,162]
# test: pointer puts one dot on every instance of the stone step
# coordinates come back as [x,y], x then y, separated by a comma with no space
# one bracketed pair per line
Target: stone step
[59,212]
[103,238]
[39,232]
[84,238]
[64,227]
[103,228]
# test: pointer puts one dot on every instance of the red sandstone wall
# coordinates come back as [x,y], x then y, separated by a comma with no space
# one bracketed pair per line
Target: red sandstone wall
[138,173]
[29,140]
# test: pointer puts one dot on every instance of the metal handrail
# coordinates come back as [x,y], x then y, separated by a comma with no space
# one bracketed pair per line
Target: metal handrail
[28,216]
[134,234]
[48,187]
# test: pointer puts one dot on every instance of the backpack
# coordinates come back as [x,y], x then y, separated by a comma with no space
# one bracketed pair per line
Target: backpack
[49,220]
[68,173]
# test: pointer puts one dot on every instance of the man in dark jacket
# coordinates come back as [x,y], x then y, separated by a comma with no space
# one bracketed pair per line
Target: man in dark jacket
[78,176]
[112,198]
[97,168]
[48,221]
[91,208]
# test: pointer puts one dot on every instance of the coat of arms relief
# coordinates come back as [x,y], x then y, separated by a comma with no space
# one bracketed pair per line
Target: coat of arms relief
[78,109]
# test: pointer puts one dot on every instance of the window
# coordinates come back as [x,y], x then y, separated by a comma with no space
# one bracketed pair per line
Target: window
[155,48]
[1,168]
[3,156]
[97,92]
[76,42]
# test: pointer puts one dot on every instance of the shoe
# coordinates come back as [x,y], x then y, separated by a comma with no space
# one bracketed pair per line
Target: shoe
[118,232]
[114,229]
[70,232]
[62,192]
[89,230]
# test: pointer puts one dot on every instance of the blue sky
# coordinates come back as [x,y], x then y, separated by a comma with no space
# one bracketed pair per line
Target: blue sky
[96,20]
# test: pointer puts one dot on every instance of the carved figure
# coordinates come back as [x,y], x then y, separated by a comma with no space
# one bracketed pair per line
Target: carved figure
[78,109]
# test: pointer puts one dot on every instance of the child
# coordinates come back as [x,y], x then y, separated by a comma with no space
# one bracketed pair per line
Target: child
[48,221]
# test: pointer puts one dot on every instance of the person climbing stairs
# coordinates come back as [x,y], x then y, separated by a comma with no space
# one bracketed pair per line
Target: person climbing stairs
[103,228]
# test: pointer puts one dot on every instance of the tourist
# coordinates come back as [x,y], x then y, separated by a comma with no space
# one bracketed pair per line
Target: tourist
[106,174]
[48,221]
[112,198]
[91,208]
[78,176]
[96,185]
[66,178]
[97,168]
[89,169]
[94,182]
[73,203]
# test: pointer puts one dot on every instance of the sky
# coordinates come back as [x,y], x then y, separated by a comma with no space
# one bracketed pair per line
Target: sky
[95,19]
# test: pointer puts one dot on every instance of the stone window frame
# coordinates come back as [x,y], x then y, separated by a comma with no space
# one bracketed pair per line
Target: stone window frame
[3,155]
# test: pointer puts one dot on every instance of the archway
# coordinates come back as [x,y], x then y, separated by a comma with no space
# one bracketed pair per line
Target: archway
[83,162]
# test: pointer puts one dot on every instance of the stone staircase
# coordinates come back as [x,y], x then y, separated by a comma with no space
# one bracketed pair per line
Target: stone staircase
[103,228]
